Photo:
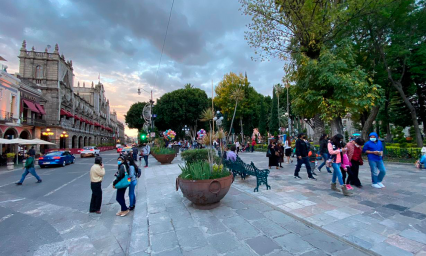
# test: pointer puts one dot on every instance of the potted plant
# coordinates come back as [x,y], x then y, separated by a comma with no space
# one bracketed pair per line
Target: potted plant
[163,155]
[203,181]
[10,157]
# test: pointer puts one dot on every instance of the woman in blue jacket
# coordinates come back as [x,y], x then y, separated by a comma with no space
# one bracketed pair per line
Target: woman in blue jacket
[374,150]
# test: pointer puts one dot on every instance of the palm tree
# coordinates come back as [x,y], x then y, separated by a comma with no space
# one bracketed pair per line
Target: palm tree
[208,115]
[237,95]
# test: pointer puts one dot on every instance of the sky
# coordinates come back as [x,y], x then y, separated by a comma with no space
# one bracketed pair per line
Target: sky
[122,41]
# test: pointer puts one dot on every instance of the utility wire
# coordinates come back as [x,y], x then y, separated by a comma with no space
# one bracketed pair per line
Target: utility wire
[164,42]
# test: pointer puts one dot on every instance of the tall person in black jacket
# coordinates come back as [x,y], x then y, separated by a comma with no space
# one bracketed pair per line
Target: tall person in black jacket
[323,142]
[302,157]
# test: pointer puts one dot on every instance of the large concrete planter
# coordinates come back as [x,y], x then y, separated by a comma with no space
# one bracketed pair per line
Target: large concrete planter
[10,164]
[204,192]
[164,159]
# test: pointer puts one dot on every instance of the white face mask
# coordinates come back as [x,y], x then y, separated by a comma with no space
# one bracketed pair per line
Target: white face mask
[373,139]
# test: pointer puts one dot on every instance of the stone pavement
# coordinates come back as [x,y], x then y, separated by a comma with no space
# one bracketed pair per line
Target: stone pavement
[389,221]
[166,223]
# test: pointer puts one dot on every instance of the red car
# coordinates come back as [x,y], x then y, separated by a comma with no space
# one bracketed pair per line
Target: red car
[119,149]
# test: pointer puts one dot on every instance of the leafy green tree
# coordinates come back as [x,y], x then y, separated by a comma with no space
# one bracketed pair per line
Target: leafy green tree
[133,117]
[262,120]
[273,121]
[179,108]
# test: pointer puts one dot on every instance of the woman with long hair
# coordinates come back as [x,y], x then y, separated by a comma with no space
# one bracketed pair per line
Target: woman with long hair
[123,168]
[323,141]
[336,150]
[133,168]
[287,149]
[273,158]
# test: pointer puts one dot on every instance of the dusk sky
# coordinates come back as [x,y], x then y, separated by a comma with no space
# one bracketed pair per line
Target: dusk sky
[122,41]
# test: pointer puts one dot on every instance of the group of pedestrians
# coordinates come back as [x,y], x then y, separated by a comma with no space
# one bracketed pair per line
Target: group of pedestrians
[126,176]
[344,159]
[275,153]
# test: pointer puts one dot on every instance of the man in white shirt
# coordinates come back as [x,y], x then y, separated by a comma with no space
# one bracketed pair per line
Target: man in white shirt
[237,144]
[146,150]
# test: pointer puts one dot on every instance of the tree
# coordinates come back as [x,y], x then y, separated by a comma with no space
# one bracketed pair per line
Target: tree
[248,106]
[273,121]
[133,118]
[179,108]
[397,31]
[262,121]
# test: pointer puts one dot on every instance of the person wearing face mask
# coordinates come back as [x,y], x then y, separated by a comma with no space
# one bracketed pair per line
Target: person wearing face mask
[355,157]
[336,150]
[374,150]
[123,168]
[302,157]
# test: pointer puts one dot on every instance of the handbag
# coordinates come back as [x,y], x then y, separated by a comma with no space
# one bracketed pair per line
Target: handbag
[268,153]
[124,182]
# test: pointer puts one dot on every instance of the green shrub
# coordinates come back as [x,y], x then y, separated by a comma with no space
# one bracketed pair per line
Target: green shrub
[198,155]
[163,151]
[202,171]
[10,155]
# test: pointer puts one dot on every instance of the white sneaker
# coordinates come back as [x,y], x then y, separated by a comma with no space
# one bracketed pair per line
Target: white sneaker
[381,185]
[376,186]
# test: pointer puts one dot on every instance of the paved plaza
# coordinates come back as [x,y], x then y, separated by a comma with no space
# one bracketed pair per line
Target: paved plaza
[166,223]
[389,221]
[295,217]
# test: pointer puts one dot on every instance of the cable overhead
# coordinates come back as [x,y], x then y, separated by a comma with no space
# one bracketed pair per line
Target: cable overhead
[164,43]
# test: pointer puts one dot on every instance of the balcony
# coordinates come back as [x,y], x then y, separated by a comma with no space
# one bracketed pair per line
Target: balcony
[33,121]
[6,116]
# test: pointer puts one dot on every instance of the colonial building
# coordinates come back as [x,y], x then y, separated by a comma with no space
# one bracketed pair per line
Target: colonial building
[76,115]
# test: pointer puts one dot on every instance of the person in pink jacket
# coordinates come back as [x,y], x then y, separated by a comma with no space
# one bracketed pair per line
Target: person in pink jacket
[346,169]
[336,151]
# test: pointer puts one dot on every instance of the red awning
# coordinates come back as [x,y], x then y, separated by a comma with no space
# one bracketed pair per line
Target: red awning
[41,109]
[76,117]
[31,106]
[66,113]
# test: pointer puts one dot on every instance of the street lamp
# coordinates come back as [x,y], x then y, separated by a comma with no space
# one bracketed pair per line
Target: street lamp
[186,129]
[64,135]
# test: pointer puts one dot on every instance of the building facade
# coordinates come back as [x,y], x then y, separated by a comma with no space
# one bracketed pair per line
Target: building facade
[75,116]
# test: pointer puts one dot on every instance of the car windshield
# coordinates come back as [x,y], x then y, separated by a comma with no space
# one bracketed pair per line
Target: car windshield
[54,154]
[87,148]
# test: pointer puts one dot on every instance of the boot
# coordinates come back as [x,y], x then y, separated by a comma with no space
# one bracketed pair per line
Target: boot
[334,187]
[346,191]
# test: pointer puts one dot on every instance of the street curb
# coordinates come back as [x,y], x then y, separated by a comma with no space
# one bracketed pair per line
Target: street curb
[307,223]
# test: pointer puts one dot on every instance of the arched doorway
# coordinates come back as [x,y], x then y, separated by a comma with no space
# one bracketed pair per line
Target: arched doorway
[62,142]
[25,134]
[80,142]
[85,141]
[11,133]
[90,141]
[74,141]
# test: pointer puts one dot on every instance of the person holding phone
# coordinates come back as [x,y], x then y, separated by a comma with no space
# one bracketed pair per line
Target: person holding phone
[374,150]
[97,173]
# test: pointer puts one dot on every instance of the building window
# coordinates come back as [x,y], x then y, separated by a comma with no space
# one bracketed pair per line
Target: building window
[39,72]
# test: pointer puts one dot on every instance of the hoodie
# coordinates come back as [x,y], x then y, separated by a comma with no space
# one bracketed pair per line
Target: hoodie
[373,146]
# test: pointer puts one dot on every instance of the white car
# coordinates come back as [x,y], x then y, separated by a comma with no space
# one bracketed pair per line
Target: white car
[90,151]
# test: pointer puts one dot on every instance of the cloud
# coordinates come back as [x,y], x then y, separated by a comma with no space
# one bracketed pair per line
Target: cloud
[123,40]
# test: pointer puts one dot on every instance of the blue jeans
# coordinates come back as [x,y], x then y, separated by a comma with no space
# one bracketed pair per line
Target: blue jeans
[304,160]
[29,170]
[337,174]
[324,157]
[132,197]
[378,171]
[146,160]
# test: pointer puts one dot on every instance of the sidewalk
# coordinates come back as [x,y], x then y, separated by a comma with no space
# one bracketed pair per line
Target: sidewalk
[166,223]
[389,221]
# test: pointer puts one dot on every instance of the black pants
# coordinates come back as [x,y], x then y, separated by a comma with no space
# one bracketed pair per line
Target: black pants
[349,173]
[304,160]
[354,180]
[120,198]
[96,202]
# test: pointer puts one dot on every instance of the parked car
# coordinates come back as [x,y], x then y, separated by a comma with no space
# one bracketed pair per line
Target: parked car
[56,158]
[90,151]
[119,149]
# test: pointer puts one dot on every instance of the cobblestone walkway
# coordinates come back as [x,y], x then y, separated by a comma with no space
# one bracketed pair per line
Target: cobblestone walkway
[389,221]
[166,223]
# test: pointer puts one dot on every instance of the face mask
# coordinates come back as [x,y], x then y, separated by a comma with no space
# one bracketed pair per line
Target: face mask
[356,145]
[119,162]
[373,139]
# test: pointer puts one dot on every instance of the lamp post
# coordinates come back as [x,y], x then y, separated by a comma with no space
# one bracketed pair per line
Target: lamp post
[186,130]
[151,101]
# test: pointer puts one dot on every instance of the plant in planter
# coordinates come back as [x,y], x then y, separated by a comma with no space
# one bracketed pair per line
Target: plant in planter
[204,180]
[10,157]
[163,155]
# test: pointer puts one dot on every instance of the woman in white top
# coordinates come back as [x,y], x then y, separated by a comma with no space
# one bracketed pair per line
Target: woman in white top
[287,149]
[237,144]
